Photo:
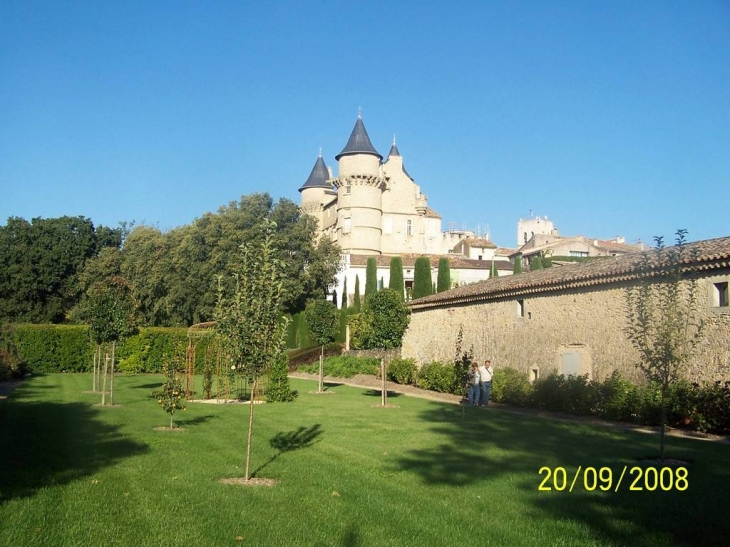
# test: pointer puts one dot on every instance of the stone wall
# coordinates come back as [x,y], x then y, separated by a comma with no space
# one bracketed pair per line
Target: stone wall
[559,331]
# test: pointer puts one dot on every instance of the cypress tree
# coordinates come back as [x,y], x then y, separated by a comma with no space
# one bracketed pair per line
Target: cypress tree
[536,263]
[494,271]
[382,283]
[422,284]
[396,275]
[344,302]
[371,277]
[357,293]
[443,281]
[518,265]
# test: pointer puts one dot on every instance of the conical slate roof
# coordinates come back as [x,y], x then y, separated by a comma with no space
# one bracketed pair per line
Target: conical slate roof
[394,150]
[318,177]
[359,142]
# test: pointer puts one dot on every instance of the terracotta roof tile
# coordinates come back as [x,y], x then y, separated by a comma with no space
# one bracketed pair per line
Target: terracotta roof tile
[710,254]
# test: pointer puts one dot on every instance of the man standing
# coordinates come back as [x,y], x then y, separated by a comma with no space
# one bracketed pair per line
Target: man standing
[485,374]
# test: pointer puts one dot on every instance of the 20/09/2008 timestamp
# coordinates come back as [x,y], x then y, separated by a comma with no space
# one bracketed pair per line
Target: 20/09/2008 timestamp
[604,479]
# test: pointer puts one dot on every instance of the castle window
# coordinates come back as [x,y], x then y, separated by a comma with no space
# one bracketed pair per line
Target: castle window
[520,308]
[348,188]
[720,297]
[409,227]
[346,225]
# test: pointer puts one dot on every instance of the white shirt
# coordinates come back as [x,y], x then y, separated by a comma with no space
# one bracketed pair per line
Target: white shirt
[485,373]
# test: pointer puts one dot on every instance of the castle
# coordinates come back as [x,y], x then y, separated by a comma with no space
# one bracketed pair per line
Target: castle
[374,207]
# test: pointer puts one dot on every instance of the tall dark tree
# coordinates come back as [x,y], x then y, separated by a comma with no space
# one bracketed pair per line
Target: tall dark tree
[357,304]
[344,302]
[536,263]
[422,284]
[371,277]
[40,262]
[443,280]
[396,276]
[518,265]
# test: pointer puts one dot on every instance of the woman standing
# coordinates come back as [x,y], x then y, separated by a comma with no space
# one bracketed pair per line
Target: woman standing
[474,385]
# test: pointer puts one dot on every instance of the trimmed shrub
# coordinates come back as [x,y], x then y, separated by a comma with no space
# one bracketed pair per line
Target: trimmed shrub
[403,371]
[396,275]
[617,399]
[443,280]
[436,376]
[344,366]
[510,386]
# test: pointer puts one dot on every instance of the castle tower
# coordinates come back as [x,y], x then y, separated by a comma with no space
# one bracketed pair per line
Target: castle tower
[360,187]
[317,190]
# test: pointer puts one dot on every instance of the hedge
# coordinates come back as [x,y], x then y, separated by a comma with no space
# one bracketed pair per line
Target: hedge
[67,348]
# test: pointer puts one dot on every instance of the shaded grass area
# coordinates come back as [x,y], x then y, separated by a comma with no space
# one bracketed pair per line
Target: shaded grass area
[349,474]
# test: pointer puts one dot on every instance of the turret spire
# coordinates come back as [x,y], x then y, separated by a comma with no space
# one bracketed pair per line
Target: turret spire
[359,142]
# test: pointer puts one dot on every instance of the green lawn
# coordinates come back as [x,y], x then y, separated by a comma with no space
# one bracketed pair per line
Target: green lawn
[349,473]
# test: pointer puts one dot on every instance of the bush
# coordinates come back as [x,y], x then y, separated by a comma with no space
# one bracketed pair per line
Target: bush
[711,407]
[359,333]
[617,399]
[344,366]
[436,376]
[403,371]
[510,386]
[548,392]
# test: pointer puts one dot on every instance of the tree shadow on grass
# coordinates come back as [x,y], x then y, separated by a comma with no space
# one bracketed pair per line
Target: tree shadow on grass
[378,393]
[195,421]
[282,442]
[46,444]
[494,448]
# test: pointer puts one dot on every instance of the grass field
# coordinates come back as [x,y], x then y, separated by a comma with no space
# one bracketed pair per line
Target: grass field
[350,474]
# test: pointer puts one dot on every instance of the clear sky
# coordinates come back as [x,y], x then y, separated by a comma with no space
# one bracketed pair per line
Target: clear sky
[610,117]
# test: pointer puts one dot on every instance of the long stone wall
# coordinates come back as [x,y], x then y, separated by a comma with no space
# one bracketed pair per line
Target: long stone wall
[578,330]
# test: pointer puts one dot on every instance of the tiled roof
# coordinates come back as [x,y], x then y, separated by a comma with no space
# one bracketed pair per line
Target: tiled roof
[318,177]
[409,261]
[480,242]
[430,213]
[359,142]
[504,251]
[710,254]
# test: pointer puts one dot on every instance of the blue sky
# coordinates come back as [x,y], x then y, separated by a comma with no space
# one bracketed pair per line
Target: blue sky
[610,117]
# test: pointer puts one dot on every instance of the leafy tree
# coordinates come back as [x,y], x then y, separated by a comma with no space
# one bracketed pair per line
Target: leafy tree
[171,394]
[396,275]
[422,285]
[387,318]
[110,310]
[40,262]
[518,265]
[323,321]
[249,321]
[371,277]
[443,280]
[536,263]
[344,302]
[356,304]
[664,322]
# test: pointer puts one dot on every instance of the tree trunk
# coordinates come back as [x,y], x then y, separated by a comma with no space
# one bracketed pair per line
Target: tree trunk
[321,371]
[250,427]
[103,389]
[171,415]
[664,422]
[111,379]
[384,396]
[93,374]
